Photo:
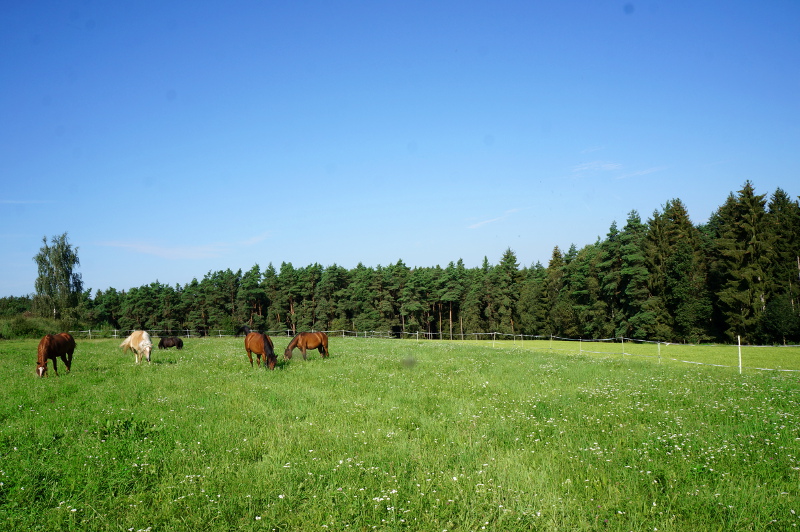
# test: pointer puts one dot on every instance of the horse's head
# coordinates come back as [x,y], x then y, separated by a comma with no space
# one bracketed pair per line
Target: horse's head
[288,354]
[41,370]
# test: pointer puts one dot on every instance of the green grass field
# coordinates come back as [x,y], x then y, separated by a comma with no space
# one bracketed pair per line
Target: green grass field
[759,358]
[392,435]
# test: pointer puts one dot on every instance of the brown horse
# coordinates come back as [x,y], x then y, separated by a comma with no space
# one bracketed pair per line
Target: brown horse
[139,342]
[53,346]
[260,344]
[308,340]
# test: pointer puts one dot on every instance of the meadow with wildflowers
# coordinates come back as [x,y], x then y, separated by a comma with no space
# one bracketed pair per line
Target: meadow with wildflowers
[394,435]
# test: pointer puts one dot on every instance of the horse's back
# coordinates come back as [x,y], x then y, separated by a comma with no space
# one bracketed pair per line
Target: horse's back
[258,343]
[316,339]
[254,341]
[66,342]
[141,339]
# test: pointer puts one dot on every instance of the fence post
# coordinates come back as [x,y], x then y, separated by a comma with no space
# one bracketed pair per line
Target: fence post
[739,338]
[623,346]
[580,346]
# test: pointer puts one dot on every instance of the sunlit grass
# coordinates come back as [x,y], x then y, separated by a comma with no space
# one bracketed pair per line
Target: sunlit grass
[389,435]
[759,358]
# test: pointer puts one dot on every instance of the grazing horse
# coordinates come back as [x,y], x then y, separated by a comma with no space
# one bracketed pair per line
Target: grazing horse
[52,346]
[139,342]
[308,340]
[170,341]
[260,344]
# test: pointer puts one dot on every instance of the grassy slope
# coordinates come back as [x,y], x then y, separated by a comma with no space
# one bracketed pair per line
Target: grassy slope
[393,434]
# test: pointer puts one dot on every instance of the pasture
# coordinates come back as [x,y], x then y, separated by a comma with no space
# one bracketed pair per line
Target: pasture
[394,435]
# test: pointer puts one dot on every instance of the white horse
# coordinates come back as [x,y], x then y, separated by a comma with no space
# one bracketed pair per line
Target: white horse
[139,342]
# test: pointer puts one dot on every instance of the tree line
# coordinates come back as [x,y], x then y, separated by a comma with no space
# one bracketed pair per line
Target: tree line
[663,278]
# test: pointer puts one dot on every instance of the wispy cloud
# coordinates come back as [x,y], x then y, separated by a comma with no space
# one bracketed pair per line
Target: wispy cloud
[493,220]
[170,252]
[178,252]
[254,240]
[642,172]
[596,166]
[24,202]
[593,149]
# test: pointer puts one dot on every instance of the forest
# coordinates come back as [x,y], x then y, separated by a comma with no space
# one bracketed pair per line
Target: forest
[663,278]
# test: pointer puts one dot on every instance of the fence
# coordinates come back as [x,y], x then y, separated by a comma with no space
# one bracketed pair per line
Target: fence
[718,355]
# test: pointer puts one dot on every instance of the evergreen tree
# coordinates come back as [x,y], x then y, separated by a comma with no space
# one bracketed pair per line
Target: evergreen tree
[558,301]
[108,306]
[251,302]
[276,306]
[634,320]
[591,310]
[532,314]
[783,273]
[609,272]
[743,252]
[306,306]
[411,303]
[473,303]
[451,292]
[505,281]
[288,288]
[330,291]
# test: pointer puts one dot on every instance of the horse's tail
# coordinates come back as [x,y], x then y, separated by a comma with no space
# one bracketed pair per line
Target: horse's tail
[323,344]
[126,344]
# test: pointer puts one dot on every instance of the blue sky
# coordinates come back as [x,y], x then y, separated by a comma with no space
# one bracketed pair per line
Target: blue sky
[174,139]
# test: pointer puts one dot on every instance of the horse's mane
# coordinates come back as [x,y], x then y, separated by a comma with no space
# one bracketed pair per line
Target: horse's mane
[294,341]
[44,347]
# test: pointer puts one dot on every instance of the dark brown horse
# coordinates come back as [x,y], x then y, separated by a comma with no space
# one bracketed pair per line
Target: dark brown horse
[170,341]
[308,340]
[260,344]
[52,346]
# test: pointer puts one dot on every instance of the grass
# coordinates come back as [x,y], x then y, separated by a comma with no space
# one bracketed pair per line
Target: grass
[777,358]
[393,435]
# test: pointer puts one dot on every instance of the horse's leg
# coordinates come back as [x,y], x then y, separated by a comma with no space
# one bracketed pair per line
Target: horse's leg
[250,357]
[55,367]
[68,362]
[65,360]
[303,349]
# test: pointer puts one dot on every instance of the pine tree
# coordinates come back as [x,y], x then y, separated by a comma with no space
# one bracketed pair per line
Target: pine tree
[634,320]
[744,252]
[532,314]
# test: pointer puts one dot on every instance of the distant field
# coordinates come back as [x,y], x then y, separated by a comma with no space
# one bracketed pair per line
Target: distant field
[401,435]
[780,358]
